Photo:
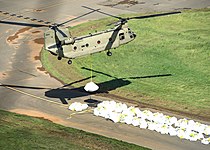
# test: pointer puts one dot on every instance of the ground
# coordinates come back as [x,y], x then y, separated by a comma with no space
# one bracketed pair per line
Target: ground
[26,84]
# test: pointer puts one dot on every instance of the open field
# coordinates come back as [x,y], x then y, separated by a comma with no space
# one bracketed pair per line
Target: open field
[167,65]
[23,132]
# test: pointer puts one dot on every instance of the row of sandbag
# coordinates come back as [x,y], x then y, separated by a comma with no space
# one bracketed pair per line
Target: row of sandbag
[145,119]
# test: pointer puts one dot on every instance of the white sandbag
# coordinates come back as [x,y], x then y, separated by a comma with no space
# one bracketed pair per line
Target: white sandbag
[128,119]
[172,120]
[76,106]
[182,123]
[120,107]
[152,126]
[157,117]
[158,127]
[148,115]
[205,141]
[131,111]
[104,113]
[192,136]
[111,106]
[115,117]
[164,129]
[91,87]
[181,134]
[143,124]
[207,130]
[138,112]
[122,118]
[183,128]
[200,136]
[136,121]
[199,127]
[172,131]
[96,112]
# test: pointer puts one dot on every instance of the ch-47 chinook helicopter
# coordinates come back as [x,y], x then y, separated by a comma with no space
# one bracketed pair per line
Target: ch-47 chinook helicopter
[60,42]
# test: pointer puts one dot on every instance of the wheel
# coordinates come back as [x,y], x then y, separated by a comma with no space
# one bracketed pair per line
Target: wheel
[70,62]
[59,58]
[109,53]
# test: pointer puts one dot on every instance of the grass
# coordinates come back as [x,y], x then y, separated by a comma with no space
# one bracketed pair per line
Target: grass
[178,45]
[24,132]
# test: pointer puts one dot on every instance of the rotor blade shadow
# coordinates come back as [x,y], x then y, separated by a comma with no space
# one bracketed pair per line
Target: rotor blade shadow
[66,94]
[141,77]
[107,86]
[70,84]
[98,72]
[152,76]
[23,87]
[22,24]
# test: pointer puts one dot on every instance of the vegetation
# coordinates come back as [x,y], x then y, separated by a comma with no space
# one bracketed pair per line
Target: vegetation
[169,62]
[23,132]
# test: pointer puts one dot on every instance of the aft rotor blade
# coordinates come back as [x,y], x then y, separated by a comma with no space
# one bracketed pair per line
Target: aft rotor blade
[102,12]
[77,17]
[154,15]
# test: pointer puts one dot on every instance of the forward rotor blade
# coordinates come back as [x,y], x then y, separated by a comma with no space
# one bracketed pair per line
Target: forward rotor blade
[77,17]
[154,15]
[58,43]
[102,12]
[60,31]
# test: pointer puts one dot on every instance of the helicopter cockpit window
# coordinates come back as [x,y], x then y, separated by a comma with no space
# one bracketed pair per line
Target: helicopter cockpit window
[122,36]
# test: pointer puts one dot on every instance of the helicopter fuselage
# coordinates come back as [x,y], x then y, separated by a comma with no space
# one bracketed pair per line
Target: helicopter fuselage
[84,45]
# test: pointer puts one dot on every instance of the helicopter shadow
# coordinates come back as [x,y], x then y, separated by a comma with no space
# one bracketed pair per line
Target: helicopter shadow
[67,92]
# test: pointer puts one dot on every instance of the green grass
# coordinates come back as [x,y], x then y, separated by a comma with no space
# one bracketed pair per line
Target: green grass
[178,45]
[23,132]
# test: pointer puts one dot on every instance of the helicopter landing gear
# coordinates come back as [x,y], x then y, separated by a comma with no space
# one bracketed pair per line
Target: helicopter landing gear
[59,58]
[109,53]
[69,62]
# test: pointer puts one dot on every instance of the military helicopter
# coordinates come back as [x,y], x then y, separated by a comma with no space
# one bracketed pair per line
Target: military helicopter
[59,41]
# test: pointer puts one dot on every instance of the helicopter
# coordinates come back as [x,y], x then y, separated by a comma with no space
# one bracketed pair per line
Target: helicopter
[59,41]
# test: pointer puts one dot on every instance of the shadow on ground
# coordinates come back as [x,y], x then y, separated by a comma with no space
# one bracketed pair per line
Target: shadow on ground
[65,94]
